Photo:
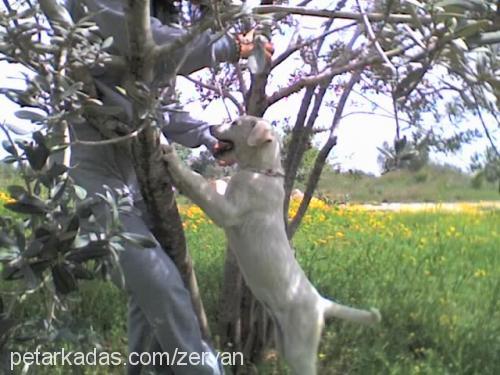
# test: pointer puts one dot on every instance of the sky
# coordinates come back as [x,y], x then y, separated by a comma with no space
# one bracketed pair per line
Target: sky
[359,135]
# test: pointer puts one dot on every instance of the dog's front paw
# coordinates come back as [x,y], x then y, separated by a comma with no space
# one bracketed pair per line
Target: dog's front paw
[168,153]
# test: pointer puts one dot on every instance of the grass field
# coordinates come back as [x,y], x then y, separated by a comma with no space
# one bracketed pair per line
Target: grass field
[435,276]
[433,183]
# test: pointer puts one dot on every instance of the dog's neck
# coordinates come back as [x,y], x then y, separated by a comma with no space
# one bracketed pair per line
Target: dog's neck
[267,161]
[266,172]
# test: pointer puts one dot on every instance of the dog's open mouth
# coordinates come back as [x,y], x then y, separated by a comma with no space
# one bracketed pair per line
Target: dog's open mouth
[222,147]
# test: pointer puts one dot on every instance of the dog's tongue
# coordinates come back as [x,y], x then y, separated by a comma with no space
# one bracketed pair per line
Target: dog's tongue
[225,163]
[220,147]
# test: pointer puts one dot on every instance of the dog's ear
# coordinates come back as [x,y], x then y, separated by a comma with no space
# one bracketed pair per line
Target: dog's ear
[260,134]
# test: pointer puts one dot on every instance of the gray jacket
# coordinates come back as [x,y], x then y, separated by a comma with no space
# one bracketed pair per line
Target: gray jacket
[112,162]
[204,51]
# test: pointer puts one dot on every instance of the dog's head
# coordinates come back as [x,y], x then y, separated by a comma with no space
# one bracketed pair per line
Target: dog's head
[248,141]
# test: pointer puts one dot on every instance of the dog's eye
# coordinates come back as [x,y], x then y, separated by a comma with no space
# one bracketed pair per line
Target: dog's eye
[234,123]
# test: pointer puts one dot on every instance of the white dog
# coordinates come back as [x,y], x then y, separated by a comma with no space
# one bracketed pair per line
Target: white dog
[251,213]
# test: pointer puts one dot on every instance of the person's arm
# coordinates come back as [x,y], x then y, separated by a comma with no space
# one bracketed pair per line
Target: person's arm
[181,128]
[205,50]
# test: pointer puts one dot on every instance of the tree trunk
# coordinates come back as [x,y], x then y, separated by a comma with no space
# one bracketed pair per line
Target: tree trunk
[151,173]
[161,205]
[244,325]
[229,322]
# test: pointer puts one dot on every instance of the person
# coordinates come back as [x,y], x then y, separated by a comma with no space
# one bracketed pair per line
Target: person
[159,305]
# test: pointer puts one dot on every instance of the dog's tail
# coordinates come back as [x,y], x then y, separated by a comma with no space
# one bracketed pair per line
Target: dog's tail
[336,310]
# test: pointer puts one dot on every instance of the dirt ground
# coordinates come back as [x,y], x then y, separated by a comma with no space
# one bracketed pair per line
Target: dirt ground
[414,207]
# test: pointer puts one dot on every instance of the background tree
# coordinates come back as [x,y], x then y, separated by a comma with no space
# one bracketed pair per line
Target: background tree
[487,166]
[433,60]
[403,155]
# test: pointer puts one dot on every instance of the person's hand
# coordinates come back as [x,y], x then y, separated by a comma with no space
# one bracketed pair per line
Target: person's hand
[247,45]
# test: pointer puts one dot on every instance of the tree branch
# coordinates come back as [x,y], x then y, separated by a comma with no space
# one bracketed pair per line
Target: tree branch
[374,17]
[111,141]
[281,58]
[372,114]
[222,92]
[55,12]
[292,159]
[164,52]
[153,175]
[142,46]
[331,72]
[373,38]
[483,123]
[322,156]
[58,16]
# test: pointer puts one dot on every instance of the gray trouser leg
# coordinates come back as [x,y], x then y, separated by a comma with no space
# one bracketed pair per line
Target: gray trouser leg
[160,305]
[141,338]
[139,334]
[157,289]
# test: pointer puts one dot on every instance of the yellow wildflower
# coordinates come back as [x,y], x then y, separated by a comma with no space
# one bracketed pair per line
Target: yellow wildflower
[480,273]
[6,198]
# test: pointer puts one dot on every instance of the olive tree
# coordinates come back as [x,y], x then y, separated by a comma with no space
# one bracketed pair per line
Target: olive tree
[432,60]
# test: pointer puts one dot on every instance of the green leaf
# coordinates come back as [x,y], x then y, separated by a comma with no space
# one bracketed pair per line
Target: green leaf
[17,130]
[485,38]
[106,110]
[7,146]
[67,239]
[64,280]
[107,42]
[29,276]
[407,84]
[37,155]
[16,191]
[93,250]
[57,191]
[80,192]
[58,148]
[6,240]
[139,239]
[81,272]
[72,90]
[28,205]
[460,5]
[34,249]
[13,272]
[84,208]
[56,169]
[415,2]
[9,159]
[471,29]
[30,115]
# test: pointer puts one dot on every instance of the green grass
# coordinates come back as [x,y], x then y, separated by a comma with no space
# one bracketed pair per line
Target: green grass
[431,184]
[434,276]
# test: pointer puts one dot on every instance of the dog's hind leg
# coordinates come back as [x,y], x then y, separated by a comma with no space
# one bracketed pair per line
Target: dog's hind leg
[300,342]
